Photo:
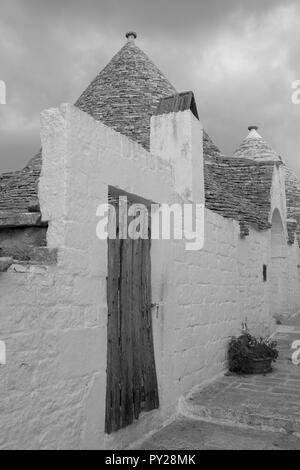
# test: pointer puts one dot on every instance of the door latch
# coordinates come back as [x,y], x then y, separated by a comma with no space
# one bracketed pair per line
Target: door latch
[155,306]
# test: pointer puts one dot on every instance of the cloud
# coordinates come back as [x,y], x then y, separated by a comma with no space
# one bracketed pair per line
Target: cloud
[239,57]
[250,72]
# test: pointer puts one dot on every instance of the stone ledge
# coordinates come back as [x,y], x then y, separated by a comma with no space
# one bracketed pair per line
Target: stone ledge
[24,268]
[5,263]
[25,219]
[31,255]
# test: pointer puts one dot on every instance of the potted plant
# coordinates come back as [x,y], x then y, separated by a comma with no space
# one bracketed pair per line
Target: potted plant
[250,355]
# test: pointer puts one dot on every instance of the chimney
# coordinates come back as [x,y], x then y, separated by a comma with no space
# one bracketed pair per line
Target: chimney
[177,137]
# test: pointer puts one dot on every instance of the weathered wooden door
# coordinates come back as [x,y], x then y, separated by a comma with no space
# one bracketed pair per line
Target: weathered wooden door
[131,374]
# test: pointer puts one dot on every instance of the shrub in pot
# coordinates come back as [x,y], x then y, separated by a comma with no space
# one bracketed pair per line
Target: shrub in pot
[250,355]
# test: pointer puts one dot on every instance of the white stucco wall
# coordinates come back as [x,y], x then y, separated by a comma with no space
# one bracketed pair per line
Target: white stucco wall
[54,318]
[278,194]
[178,139]
[293,283]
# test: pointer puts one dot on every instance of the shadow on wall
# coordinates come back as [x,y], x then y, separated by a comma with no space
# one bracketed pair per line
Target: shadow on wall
[279,266]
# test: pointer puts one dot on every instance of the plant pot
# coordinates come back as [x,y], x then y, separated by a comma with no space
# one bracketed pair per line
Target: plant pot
[261,366]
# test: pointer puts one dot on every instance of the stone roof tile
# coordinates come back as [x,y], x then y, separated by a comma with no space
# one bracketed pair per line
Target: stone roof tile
[239,189]
[19,188]
[292,190]
[126,93]
[256,148]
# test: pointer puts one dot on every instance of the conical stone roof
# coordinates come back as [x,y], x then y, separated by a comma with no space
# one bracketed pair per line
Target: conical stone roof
[256,148]
[126,93]
[124,96]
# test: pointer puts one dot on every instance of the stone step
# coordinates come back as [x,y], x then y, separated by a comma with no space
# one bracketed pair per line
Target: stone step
[238,417]
[266,402]
[189,434]
[252,407]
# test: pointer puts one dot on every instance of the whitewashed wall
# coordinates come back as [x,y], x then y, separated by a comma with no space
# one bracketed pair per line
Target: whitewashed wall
[52,392]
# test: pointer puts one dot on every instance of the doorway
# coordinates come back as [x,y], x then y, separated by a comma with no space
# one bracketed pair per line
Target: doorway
[131,372]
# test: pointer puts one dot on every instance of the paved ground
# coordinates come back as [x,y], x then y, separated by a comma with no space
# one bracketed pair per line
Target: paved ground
[189,434]
[250,412]
[270,401]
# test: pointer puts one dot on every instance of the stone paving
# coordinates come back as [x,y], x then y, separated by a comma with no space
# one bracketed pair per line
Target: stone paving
[191,434]
[258,411]
[269,401]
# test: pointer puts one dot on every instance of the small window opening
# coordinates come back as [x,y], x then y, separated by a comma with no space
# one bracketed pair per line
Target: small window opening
[265,273]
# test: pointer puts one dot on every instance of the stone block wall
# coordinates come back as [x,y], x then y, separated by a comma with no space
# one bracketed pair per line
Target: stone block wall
[53,318]
[53,349]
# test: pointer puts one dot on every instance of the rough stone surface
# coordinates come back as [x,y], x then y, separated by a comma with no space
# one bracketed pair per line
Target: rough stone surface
[210,149]
[19,189]
[239,189]
[23,237]
[5,263]
[255,147]
[27,219]
[31,254]
[126,93]
[190,434]
[292,183]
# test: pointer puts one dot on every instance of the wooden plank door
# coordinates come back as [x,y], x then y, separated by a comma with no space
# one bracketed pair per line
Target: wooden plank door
[131,373]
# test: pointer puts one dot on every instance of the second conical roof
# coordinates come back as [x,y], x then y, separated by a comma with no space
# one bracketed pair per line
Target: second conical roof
[256,148]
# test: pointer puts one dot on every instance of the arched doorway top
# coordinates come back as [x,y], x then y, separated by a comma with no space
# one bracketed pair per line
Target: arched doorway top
[278,238]
[276,221]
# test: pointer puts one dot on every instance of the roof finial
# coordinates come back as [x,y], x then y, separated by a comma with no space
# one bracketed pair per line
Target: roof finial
[131,36]
[253,128]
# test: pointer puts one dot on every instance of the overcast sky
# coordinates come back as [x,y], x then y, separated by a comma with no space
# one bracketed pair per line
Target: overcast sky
[240,58]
